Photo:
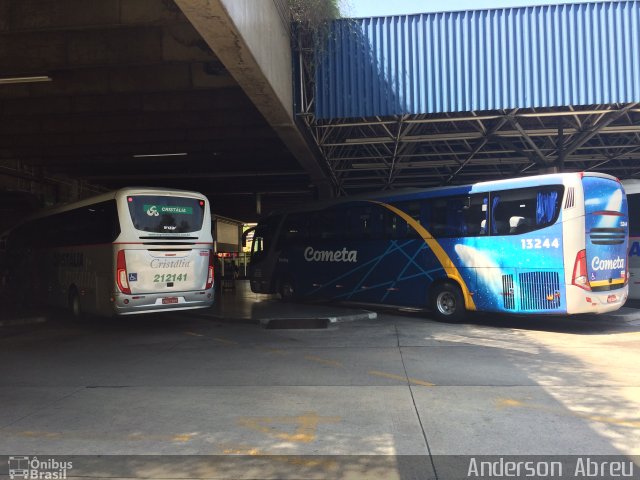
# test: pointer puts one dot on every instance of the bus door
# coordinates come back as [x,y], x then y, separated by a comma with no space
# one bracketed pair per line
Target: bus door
[606,224]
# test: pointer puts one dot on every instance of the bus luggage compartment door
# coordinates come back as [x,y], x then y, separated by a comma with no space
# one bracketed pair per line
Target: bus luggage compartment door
[166,271]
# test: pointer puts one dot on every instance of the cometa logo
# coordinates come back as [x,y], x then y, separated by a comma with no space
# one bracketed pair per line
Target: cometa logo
[344,255]
[597,264]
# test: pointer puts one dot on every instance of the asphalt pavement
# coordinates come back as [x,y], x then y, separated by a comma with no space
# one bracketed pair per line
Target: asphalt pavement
[382,394]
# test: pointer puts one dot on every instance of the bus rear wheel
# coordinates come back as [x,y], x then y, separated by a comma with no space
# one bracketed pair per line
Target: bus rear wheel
[74,303]
[447,302]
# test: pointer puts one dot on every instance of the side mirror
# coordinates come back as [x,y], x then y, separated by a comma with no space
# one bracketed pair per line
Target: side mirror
[245,235]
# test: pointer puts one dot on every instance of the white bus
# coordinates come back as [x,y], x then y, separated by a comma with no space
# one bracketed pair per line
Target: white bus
[632,189]
[134,250]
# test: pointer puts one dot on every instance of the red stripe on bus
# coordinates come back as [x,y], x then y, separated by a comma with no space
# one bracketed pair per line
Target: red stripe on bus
[609,212]
[168,243]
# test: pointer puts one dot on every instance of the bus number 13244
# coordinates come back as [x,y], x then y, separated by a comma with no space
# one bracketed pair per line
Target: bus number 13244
[535,243]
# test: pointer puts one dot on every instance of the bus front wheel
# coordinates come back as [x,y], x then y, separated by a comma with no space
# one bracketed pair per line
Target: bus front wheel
[447,302]
[287,289]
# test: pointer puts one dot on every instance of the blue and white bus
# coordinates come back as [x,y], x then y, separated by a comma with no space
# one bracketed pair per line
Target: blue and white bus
[632,190]
[548,244]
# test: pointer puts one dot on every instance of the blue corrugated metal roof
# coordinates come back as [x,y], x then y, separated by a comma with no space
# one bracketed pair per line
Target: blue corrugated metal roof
[545,56]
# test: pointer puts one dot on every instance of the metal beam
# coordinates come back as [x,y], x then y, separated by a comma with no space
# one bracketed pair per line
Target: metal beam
[159,176]
[540,158]
[480,145]
[599,127]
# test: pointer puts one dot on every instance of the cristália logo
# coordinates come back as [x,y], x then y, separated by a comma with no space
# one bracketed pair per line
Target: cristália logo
[156,210]
[152,211]
[50,468]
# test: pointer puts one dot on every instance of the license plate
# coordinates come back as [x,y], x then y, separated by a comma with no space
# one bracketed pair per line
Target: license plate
[611,298]
[169,300]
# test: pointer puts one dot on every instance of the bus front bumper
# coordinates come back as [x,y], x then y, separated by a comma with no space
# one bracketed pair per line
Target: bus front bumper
[149,303]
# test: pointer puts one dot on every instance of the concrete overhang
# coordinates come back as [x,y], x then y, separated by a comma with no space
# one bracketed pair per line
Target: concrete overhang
[252,42]
[131,78]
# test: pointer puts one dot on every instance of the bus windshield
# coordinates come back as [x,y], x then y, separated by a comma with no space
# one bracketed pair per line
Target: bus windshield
[164,214]
[263,236]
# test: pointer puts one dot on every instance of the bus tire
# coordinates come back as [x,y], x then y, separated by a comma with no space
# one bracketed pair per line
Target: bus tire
[288,292]
[447,302]
[74,302]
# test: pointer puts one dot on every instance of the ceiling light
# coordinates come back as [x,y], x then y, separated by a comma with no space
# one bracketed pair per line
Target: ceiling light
[34,79]
[183,154]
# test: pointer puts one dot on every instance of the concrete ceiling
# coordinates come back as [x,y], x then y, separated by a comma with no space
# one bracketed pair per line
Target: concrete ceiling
[134,78]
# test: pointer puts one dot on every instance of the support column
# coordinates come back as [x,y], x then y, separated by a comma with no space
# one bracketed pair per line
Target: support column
[560,144]
[249,38]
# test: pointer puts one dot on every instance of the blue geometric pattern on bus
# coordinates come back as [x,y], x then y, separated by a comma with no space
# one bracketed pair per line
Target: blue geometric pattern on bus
[398,273]
[407,251]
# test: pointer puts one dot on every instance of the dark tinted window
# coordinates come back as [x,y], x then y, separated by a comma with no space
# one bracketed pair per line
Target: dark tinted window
[397,227]
[523,210]
[364,222]
[633,202]
[263,236]
[90,225]
[327,224]
[461,216]
[295,229]
[163,214]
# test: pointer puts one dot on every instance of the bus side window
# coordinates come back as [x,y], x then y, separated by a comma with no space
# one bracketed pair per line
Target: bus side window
[448,217]
[295,229]
[397,227]
[327,225]
[393,225]
[362,222]
[525,209]
[475,212]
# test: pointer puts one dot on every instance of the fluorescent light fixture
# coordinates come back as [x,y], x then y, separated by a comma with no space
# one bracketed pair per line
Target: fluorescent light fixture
[161,155]
[34,79]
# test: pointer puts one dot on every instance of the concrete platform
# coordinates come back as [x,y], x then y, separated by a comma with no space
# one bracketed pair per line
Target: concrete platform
[240,305]
[399,396]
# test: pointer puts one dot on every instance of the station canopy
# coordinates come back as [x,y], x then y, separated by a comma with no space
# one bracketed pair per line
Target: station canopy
[458,97]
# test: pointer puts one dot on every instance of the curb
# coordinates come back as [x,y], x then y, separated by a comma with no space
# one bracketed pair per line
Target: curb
[296,323]
[227,319]
[264,322]
[314,322]
[22,321]
[366,315]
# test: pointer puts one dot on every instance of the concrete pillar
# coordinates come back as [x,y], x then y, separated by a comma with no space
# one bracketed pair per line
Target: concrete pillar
[249,38]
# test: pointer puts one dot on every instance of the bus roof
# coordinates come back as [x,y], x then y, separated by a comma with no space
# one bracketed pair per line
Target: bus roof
[405,194]
[103,197]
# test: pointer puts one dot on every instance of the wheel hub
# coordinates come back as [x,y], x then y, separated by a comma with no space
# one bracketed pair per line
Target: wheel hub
[446,303]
